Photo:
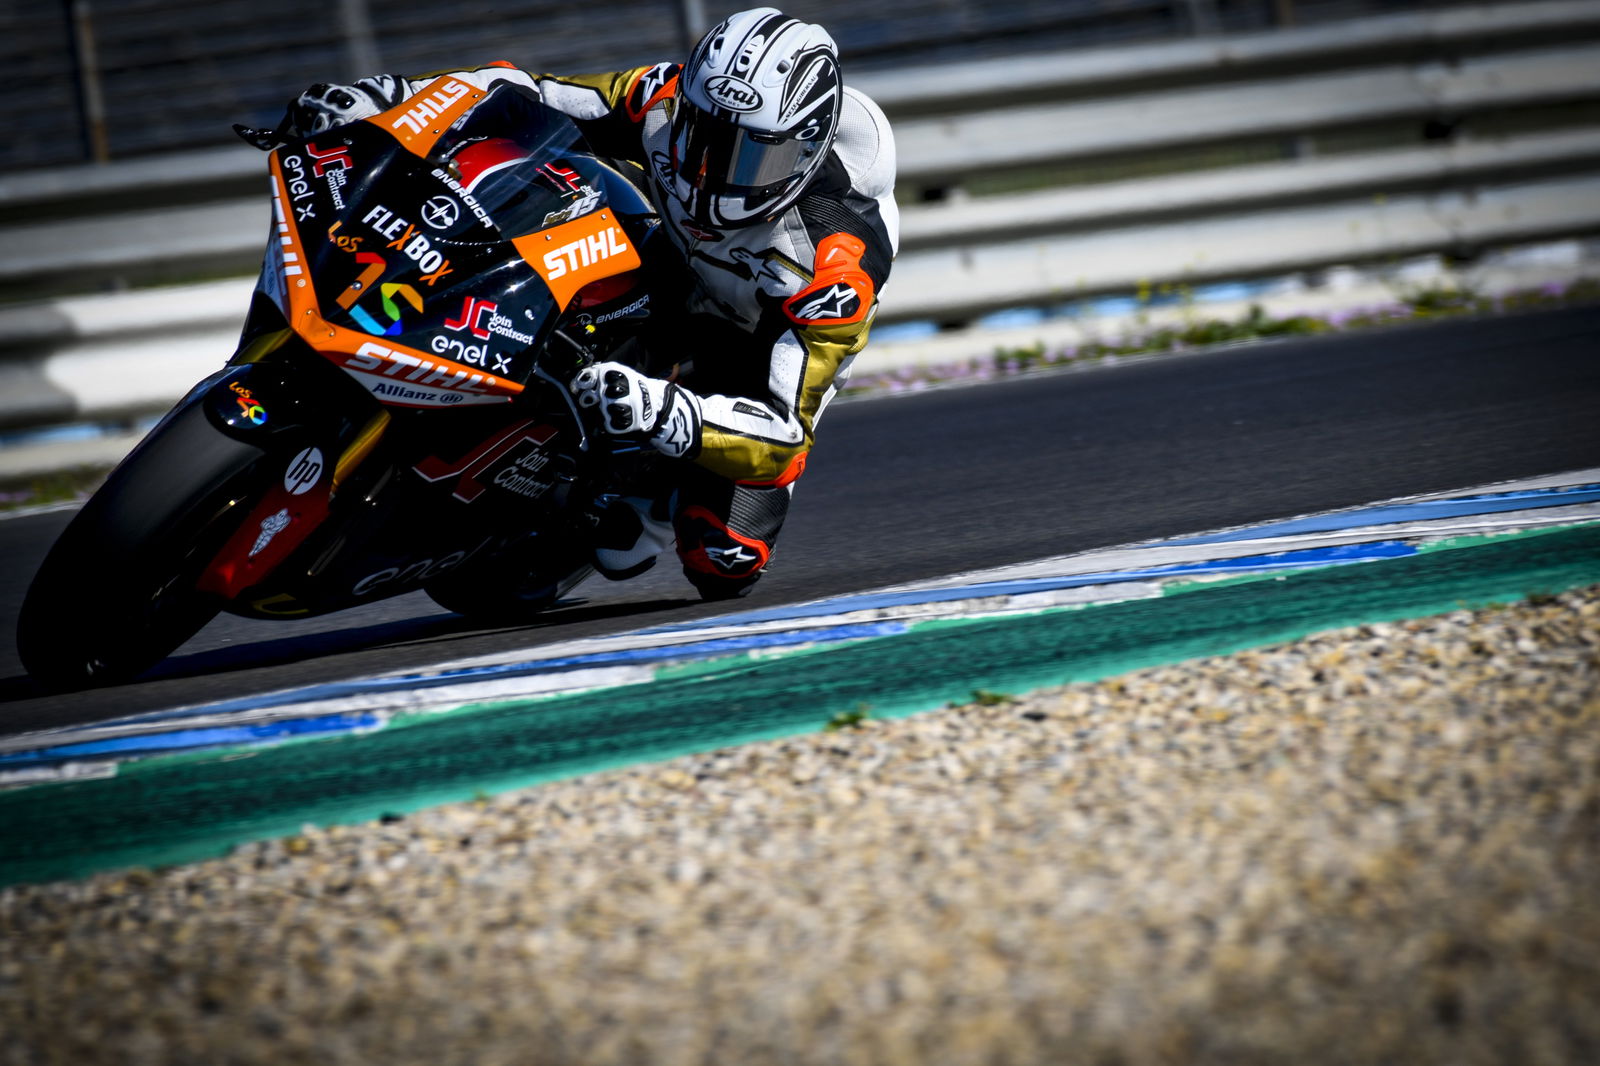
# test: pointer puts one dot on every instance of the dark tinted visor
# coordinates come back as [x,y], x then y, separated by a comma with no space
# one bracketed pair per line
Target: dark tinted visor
[719,158]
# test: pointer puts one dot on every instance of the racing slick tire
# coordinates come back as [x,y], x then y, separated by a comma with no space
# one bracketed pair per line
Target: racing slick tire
[116,594]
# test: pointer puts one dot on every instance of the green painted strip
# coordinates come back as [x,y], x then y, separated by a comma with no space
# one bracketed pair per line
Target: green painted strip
[174,810]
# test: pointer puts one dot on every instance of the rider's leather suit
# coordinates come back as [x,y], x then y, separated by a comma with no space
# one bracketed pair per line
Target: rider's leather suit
[777,311]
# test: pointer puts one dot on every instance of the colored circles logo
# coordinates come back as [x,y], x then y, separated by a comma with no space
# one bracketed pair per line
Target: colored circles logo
[253,411]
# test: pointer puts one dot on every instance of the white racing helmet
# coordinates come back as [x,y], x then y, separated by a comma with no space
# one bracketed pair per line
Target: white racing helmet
[755,114]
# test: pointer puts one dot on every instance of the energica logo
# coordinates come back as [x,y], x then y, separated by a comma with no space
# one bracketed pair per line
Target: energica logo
[305,470]
[440,212]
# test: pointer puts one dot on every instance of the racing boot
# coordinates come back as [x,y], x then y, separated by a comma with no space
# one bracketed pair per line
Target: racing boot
[628,533]
[724,558]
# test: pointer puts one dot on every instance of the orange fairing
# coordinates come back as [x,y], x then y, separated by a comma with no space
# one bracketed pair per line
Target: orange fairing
[573,254]
[392,372]
[421,120]
[840,292]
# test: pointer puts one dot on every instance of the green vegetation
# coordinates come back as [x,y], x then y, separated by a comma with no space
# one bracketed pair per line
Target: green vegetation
[850,719]
[1414,305]
[56,487]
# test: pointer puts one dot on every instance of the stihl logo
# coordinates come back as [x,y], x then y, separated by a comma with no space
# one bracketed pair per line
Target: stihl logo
[375,357]
[586,251]
[429,106]
[471,318]
[576,253]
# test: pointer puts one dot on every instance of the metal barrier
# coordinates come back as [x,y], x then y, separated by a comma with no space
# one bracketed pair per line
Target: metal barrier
[1449,132]
[96,80]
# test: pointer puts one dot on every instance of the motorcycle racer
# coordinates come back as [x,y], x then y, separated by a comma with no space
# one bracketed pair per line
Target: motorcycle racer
[775,182]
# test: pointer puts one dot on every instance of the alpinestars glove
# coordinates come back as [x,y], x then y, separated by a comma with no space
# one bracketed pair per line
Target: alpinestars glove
[664,414]
[323,106]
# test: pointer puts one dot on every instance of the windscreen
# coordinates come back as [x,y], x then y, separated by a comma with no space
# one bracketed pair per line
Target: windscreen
[525,166]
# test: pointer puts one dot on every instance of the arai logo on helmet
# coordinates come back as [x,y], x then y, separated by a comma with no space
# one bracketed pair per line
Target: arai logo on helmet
[733,93]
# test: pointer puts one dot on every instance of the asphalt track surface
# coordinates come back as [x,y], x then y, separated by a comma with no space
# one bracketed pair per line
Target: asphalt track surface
[909,487]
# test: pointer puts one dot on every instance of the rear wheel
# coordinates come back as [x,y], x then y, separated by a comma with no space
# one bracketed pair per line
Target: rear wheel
[116,593]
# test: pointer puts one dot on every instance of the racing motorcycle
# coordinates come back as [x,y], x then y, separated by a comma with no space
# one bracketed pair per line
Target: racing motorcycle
[396,415]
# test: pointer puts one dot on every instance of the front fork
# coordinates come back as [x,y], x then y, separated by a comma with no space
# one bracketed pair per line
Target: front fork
[317,427]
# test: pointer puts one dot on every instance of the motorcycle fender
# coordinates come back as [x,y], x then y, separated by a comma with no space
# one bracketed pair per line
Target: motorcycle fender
[278,524]
[264,402]
[313,439]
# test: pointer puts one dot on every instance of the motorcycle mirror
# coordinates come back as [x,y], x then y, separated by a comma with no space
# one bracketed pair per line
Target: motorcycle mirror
[266,140]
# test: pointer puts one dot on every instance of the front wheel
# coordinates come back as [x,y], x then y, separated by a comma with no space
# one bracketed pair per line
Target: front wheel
[116,594]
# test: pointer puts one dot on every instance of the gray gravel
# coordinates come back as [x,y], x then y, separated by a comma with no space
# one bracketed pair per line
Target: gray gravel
[1376,845]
